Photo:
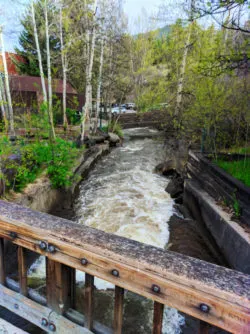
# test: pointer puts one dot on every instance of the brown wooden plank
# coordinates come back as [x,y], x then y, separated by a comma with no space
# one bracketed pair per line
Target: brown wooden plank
[34,313]
[118,310]
[58,285]
[158,318]
[2,267]
[22,271]
[89,300]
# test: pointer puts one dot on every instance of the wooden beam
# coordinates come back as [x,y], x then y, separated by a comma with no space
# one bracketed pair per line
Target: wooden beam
[2,267]
[58,285]
[89,300]
[158,318]
[118,310]
[34,313]
[22,271]
[185,283]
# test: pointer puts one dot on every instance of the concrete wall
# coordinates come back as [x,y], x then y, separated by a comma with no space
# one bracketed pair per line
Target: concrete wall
[201,193]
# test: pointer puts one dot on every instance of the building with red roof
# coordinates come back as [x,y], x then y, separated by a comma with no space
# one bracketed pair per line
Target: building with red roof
[26,91]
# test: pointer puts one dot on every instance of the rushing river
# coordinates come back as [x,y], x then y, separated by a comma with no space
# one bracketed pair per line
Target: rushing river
[123,195]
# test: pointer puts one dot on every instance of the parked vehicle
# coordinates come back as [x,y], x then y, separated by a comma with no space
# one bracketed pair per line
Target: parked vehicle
[130,106]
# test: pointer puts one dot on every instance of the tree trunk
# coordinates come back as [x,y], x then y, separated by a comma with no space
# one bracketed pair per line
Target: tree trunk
[38,53]
[99,86]
[89,67]
[184,64]
[7,87]
[50,110]
[64,67]
[3,105]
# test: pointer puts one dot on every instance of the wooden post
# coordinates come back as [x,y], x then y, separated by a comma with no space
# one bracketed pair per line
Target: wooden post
[2,267]
[204,327]
[118,314]
[89,301]
[59,286]
[22,271]
[158,318]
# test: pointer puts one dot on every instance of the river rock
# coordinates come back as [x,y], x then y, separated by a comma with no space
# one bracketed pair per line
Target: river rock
[113,138]
[166,168]
[175,187]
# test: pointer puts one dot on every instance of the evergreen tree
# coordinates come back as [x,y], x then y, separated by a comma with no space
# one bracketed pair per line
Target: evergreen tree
[27,42]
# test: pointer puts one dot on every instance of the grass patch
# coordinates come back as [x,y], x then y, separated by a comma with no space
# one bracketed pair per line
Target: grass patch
[238,169]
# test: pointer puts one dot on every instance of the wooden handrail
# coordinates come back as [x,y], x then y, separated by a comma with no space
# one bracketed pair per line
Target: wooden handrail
[208,292]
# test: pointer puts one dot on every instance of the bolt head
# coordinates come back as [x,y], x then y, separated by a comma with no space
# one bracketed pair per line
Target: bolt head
[51,249]
[42,245]
[204,308]
[156,288]
[84,262]
[13,235]
[52,327]
[16,306]
[115,273]
[44,322]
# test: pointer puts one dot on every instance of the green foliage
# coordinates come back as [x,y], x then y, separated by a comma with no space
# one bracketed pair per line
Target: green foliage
[73,116]
[238,169]
[114,127]
[27,41]
[23,163]
[236,207]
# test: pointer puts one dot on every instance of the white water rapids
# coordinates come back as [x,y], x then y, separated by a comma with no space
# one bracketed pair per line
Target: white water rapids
[123,195]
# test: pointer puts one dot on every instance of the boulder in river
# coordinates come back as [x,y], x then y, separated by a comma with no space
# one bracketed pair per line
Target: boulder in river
[175,186]
[113,138]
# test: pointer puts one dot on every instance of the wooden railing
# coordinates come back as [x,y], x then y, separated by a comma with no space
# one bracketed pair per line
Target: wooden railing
[213,294]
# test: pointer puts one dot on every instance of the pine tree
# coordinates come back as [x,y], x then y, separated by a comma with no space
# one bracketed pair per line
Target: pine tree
[28,45]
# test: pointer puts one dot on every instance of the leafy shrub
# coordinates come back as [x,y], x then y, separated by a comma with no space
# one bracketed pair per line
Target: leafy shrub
[22,164]
[73,116]
[113,127]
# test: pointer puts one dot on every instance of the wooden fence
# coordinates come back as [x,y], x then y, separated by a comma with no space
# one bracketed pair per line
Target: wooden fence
[208,292]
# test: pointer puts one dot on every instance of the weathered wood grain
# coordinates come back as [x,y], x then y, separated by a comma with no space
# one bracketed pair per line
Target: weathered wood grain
[185,283]
[22,270]
[118,310]
[59,294]
[2,267]
[89,300]
[34,313]
[158,318]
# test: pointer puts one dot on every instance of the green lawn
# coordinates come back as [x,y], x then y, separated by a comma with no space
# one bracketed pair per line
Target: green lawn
[238,169]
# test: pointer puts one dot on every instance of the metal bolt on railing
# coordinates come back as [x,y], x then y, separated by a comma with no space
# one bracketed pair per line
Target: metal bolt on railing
[156,288]
[42,245]
[51,249]
[44,322]
[115,273]
[84,262]
[13,235]
[204,308]
[52,327]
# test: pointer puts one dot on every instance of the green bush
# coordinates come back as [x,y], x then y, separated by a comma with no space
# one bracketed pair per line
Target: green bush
[57,159]
[113,127]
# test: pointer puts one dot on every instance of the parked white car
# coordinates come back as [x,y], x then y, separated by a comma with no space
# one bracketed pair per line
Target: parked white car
[117,110]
